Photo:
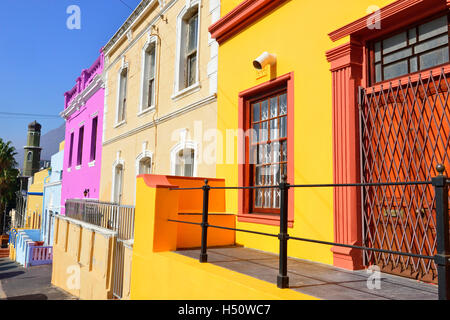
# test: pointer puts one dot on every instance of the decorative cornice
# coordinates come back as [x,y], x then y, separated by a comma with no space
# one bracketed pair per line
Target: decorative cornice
[123,30]
[345,55]
[240,17]
[165,7]
[96,84]
[398,11]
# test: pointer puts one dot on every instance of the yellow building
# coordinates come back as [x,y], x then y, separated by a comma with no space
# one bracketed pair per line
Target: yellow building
[160,96]
[34,203]
[305,70]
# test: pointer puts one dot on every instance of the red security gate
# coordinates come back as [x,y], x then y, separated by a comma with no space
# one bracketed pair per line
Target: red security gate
[405,133]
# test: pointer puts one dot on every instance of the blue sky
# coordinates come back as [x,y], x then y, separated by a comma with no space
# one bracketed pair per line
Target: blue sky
[41,58]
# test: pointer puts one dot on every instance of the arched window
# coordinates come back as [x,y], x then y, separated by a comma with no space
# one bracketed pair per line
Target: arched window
[184,165]
[144,162]
[183,159]
[145,165]
[29,156]
[117,183]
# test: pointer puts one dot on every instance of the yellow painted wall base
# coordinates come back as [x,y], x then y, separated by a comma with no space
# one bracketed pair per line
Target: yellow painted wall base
[82,259]
[171,276]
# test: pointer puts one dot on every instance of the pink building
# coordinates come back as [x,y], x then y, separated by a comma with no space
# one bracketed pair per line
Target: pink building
[83,112]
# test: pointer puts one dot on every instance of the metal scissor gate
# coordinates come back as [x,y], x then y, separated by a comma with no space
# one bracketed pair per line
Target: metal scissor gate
[123,223]
[404,133]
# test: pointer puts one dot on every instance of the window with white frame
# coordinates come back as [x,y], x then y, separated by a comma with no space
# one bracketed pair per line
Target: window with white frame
[145,165]
[188,48]
[118,181]
[149,66]
[122,95]
[184,162]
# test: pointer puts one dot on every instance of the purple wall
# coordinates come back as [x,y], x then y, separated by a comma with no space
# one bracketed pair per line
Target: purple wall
[79,177]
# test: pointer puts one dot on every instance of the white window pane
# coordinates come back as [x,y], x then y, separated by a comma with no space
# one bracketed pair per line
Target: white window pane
[274,130]
[265,110]
[264,134]
[283,104]
[273,107]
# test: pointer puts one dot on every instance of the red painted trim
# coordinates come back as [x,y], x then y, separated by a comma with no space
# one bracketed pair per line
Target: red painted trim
[156,181]
[287,81]
[240,17]
[392,16]
[413,77]
[348,69]
[346,66]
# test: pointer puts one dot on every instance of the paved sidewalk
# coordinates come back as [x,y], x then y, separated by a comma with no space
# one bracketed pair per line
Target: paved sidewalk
[317,279]
[33,283]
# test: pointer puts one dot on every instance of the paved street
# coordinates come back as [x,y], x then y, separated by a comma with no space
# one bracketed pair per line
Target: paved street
[34,283]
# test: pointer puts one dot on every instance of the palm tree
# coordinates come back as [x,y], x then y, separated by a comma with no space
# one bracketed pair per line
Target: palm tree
[8,175]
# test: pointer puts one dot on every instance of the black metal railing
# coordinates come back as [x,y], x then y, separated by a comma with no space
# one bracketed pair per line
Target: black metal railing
[441,258]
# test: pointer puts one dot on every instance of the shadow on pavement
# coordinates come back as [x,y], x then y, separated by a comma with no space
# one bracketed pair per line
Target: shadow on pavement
[7,275]
[29,297]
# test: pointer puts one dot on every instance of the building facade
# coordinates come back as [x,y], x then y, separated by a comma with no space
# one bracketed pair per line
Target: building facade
[161,85]
[35,194]
[52,196]
[381,115]
[83,113]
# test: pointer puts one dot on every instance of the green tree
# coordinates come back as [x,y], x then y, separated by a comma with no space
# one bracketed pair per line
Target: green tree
[8,175]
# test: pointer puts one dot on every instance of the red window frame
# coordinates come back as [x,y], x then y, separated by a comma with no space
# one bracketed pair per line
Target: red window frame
[251,123]
[371,49]
[245,214]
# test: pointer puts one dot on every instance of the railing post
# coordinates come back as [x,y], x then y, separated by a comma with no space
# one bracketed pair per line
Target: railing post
[442,237]
[204,245]
[283,236]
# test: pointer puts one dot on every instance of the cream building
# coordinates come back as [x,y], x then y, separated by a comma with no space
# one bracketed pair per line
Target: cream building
[160,111]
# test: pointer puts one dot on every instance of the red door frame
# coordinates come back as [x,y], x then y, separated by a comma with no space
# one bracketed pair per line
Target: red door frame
[348,70]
